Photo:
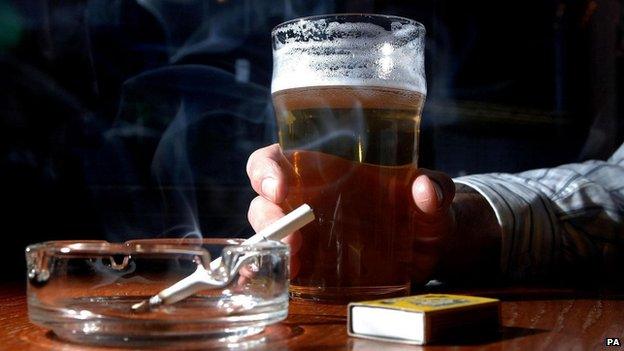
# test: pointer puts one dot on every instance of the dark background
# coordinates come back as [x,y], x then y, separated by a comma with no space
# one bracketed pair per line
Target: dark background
[124,119]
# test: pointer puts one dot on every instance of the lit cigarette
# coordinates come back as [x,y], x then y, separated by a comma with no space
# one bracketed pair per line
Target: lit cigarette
[201,279]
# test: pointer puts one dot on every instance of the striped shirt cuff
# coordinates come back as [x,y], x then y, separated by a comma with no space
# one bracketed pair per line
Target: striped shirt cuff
[528,243]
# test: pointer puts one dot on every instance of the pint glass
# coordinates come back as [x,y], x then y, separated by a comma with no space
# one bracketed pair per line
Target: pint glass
[348,91]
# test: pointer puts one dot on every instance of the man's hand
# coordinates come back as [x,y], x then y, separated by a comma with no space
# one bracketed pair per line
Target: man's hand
[267,171]
[432,192]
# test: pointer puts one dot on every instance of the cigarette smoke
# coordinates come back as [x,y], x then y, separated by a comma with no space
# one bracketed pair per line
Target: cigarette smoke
[172,163]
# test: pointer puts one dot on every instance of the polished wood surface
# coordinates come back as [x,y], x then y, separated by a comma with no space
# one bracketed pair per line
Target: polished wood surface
[532,319]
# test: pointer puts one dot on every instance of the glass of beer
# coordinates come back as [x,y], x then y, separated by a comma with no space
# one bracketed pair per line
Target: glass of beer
[348,91]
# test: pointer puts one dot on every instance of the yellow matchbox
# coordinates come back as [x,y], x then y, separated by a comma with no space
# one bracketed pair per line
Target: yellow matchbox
[421,319]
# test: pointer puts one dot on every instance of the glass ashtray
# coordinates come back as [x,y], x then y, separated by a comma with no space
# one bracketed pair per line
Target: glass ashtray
[83,290]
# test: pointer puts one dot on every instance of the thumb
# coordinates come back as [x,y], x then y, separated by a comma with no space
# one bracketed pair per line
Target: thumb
[429,195]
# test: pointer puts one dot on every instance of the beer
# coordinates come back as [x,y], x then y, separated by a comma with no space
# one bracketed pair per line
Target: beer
[353,151]
[348,90]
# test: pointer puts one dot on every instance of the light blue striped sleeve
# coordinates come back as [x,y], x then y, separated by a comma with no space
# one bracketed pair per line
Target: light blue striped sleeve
[557,221]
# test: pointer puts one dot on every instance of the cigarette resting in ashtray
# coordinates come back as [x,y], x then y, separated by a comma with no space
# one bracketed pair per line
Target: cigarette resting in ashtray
[201,279]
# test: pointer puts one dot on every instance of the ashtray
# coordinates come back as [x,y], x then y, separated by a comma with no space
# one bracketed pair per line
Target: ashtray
[83,290]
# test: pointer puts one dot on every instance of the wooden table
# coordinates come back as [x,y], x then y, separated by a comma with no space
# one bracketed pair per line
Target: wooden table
[533,319]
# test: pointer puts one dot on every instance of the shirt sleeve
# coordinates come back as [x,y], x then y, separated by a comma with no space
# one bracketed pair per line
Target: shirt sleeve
[556,220]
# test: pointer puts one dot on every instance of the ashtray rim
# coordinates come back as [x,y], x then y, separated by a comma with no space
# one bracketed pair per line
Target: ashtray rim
[162,245]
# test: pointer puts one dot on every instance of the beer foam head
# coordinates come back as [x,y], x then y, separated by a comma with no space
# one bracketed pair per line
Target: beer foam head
[350,50]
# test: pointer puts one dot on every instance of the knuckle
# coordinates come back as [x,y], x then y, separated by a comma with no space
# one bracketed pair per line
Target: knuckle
[253,208]
[256,173]
[257,155]
[248,165]
[257,169]
[250,160]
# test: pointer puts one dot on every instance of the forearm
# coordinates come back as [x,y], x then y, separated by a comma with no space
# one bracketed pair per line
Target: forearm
[560,223]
